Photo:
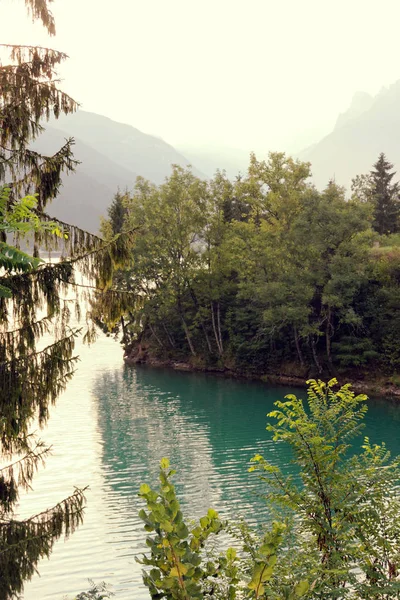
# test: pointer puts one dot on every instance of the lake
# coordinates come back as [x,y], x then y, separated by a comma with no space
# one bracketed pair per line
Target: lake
[110,429]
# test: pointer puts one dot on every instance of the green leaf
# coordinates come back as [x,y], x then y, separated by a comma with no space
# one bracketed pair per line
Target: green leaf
[5,292]
[267,549]
[182,570]
[267,573]
[143,515]
[145,489]
[166,525]
[182,531]
[204,522]
[231,554]
[301,588]
[164,463]
[197,531]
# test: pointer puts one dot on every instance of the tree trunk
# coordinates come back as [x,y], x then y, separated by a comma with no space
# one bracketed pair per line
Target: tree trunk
[185,327]
[169,336]
[187,333]
[219,328]
[315,357]
[206,336]
[156,336]
[215,329]
[328,333]
[298,348]
[196,305]
[124,332]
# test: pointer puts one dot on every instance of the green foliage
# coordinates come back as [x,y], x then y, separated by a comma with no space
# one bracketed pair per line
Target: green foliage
[354,351]
[183,565]
[117,213]
[338,533]
[20,218]
[259,275]
[395,379]
[347,506]
[176,561]
[385,197]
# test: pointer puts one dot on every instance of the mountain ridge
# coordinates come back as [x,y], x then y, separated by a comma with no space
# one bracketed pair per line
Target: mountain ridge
[353,147]
[111,156]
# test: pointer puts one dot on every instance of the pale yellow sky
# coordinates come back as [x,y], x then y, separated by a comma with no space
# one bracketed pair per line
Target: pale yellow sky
[251,74]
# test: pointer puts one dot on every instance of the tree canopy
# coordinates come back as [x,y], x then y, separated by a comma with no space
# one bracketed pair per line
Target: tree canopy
[261,275]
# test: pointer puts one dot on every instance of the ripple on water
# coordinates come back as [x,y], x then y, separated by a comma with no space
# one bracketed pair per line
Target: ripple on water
[110,429]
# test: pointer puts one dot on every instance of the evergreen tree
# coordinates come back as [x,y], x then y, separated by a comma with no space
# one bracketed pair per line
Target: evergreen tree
[117,213]
[385,196]
[31,379]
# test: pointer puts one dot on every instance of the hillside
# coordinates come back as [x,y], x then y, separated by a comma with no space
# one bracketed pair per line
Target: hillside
[369,127]
[85,194]
[112,155]
[144,154]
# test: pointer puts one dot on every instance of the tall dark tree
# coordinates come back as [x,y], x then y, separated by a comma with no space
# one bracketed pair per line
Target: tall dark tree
[385,196]
[31,379]
[117,212]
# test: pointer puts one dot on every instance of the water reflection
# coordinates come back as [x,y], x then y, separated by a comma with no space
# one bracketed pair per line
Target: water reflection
[140,424]
[208,427]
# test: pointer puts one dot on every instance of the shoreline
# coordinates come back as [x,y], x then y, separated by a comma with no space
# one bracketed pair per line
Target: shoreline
[380,388]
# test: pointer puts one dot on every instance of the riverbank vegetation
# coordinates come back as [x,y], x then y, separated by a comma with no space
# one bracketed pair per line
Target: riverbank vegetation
[334,525]
[264,274]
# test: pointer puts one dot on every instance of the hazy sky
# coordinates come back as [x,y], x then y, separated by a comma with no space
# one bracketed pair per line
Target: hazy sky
[251,74]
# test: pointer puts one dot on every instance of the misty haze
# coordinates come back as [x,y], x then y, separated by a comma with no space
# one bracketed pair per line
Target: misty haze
[199,300]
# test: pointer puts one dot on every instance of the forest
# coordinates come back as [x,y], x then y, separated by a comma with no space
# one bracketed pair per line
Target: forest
[264,274]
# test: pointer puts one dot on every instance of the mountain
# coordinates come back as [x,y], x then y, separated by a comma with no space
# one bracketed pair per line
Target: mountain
[360,103]
[370,126]
[146,155]
[112,155]
[86,194]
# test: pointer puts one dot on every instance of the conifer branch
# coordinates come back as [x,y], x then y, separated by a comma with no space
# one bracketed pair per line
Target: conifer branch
[70,227]
[33,453]
[79,494]
[16,47]
[45,321]
[28,357]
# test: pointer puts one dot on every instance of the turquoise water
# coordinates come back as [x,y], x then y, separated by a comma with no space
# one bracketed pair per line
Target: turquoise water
[109,431]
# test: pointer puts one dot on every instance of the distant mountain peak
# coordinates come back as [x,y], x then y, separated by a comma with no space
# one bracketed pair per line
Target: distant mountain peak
[370,126]
[360,103]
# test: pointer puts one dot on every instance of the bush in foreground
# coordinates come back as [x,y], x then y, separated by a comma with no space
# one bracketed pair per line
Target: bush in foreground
[336,529]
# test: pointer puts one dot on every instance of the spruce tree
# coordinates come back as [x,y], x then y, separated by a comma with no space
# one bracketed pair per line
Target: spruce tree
[117,212]
[385,196]
[32,378]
